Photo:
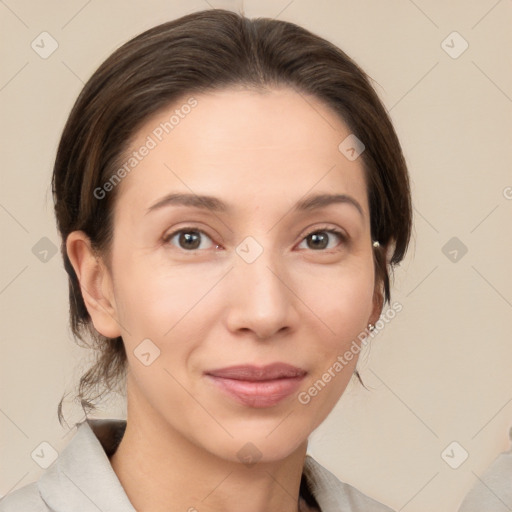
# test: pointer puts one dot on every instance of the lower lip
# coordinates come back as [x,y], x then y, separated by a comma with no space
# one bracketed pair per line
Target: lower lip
[257,394]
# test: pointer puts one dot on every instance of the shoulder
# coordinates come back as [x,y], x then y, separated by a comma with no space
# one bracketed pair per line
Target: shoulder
[333,494]
[80,476]
[26,499]
[493,489]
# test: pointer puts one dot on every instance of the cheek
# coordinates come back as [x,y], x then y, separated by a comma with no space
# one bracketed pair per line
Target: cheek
[341,299]
[342,307]
[175,309]
[152,298]
[157,300]
[164,306]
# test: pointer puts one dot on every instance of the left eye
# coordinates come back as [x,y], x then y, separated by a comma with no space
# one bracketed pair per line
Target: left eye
[320,239]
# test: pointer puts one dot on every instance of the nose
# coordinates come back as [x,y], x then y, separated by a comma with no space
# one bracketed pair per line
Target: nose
[261,297]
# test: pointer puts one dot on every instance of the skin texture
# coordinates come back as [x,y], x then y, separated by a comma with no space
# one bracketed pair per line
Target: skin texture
[260,152]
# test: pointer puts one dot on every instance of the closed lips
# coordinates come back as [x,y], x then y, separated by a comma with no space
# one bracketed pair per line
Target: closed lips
[255,373]
[258,387]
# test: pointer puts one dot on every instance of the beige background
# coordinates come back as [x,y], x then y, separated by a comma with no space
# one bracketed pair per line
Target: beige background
[439,372]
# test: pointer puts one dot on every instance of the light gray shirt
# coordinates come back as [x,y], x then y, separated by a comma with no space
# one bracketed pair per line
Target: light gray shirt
[492,491]
[82,479]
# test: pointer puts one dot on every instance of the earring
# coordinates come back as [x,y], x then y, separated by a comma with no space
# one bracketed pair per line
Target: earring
[376,244]
[371,327]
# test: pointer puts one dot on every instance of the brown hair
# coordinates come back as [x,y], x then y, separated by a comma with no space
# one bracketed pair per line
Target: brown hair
[201,52]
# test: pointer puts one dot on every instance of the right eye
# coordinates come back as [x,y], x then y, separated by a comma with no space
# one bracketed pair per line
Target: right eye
[188,239]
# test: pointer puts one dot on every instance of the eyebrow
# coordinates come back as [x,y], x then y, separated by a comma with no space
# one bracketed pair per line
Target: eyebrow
[312,202]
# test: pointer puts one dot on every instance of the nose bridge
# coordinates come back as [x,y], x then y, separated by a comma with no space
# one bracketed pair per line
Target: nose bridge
[260,301]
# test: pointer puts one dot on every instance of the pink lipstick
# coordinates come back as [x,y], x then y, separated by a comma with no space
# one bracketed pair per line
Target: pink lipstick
[258,386]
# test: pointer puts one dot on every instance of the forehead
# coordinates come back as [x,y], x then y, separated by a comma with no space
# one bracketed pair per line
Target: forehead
[241,145]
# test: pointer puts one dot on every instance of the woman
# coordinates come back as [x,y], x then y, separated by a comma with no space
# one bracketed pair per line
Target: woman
[231,197]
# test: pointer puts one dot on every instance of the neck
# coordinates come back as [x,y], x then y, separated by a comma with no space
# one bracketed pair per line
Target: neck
[161,470]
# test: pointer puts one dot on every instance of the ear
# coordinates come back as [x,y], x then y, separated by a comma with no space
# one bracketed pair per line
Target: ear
[95,284]
[378,302]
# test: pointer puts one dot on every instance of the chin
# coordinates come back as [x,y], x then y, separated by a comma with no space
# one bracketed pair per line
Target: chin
[258,446]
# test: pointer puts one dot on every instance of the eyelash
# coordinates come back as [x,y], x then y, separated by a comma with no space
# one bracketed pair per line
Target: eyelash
[190,229]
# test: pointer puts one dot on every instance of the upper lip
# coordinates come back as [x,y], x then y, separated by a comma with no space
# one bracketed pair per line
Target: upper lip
[258,373]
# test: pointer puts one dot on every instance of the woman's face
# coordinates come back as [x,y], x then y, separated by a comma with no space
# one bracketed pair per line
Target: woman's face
[249,277]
